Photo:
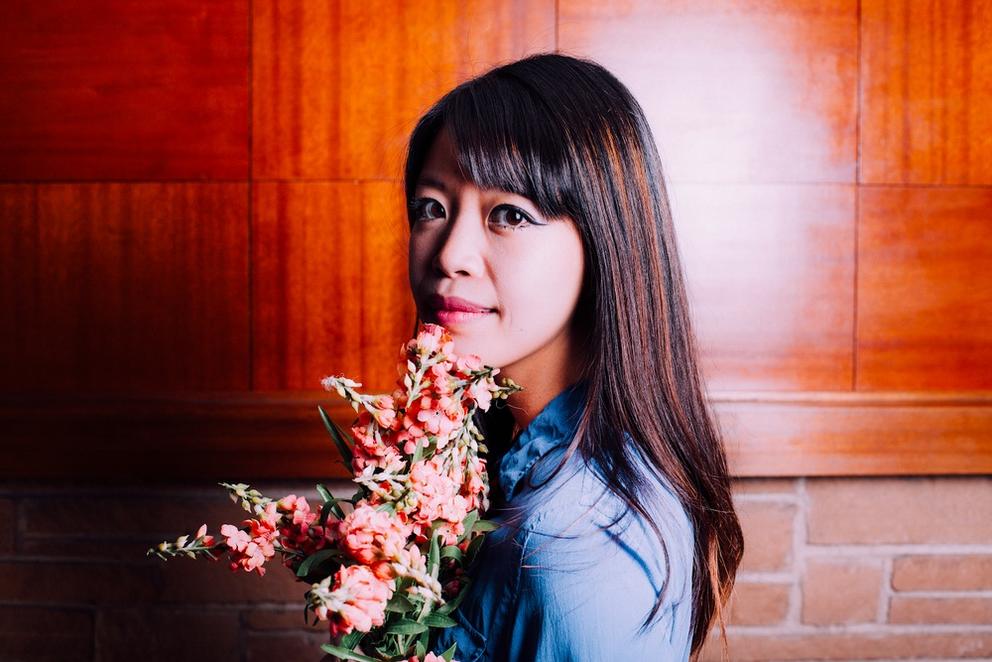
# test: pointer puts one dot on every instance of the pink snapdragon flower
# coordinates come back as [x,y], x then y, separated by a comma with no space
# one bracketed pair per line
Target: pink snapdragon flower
[440,417]
[357,601]
[298,529]
[436,499]
[373,537]
[474,487]
[207,541]
[430,657]
[430,339]
[385,411]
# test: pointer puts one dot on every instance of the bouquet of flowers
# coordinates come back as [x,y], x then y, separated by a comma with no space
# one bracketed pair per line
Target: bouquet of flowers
[385,567]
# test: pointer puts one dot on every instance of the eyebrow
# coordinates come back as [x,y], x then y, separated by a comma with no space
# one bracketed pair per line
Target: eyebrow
[430,181]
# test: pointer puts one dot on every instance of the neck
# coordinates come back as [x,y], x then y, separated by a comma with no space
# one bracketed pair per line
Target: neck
[543,375]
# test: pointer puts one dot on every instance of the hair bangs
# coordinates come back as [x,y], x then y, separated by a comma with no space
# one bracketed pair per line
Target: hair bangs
[505,139]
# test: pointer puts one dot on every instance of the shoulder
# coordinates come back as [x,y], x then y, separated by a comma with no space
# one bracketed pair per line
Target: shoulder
[578,528]
[591,572]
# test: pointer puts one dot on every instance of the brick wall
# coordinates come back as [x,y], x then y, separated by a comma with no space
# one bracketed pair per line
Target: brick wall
[838,569]
[864,569]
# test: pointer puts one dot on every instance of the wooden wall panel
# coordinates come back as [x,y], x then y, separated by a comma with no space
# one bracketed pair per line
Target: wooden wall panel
[926,92]
[925,289]
[329,283]
[770,272]
[118,287]
[756,91]
[391,314]
[202,216]
[338,86]
[118,89]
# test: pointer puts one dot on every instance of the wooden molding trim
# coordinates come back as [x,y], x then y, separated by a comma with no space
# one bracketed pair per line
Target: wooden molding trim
[856,434]
[258,435]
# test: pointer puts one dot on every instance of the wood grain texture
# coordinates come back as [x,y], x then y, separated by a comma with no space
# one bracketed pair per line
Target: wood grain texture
[926,86]
[770,273]
[339,86]
[753,91]
[218,436]
[124,286]
[331,293]
[241,436]
[925,289]
[854,434]
[145,311]
[123,90]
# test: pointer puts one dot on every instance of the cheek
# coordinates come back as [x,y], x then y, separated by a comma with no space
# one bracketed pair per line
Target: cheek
[417,256]
[541,288]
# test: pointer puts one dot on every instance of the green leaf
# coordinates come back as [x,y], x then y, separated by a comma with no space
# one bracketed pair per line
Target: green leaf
[337,435]
[324,492]
[325,510]
[421,649]
[484,526]
[329,501]
[388,507]
[406,627]
[452,552]
[468,523]
[315,558]
[434,556]
[450,653]
[351,639]
[345,654]
[384,652]
[436,620]
[418,451]
[399,603]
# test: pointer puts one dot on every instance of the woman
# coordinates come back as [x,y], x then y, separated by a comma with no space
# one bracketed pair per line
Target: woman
[540,236]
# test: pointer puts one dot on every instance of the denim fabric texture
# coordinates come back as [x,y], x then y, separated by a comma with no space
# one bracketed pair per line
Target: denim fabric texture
[580,572]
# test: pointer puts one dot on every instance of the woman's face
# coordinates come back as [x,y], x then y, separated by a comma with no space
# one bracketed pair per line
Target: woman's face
[493,250]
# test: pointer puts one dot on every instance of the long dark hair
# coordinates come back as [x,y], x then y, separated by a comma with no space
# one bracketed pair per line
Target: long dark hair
[568,135]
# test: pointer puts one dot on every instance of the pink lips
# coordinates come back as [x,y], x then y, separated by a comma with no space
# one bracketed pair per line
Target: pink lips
[451,311]
[455,304]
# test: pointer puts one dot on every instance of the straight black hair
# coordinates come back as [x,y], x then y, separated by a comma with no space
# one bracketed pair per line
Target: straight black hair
[568,135]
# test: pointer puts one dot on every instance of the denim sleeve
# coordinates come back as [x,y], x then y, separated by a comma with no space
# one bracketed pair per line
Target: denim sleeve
[583,598]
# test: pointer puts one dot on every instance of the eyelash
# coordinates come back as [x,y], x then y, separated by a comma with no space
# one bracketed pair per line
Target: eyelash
[418,205]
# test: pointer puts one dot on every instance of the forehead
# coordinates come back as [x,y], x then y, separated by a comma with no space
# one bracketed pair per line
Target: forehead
[441,161]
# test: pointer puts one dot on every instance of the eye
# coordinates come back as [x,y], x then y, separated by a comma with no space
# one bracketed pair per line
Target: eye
[421,209]
[513,218]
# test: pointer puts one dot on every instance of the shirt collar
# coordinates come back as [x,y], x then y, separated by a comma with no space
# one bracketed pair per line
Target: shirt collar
[554,426]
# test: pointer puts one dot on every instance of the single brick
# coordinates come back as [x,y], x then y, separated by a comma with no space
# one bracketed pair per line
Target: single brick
[924,610]
[915,510]
[759,603]
[768,528]
[840,591]
[970,572]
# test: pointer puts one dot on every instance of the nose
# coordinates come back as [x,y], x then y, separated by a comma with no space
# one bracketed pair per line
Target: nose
[461,246]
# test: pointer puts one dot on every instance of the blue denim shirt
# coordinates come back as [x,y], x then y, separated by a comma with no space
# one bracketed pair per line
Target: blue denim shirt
[580,573]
